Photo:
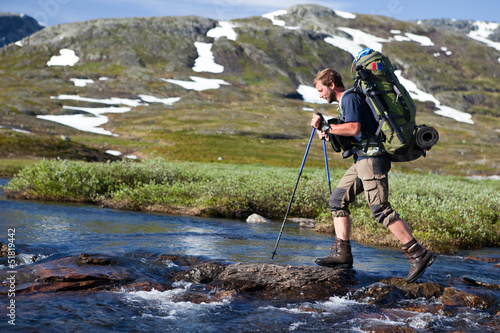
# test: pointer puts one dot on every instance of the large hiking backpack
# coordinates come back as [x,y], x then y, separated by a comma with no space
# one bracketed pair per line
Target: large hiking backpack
[393,107]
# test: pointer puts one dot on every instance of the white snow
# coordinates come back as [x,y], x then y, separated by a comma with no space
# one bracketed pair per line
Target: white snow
[21,130]
[17,130]
[86,123]
[205,62]
[359,41]
[198,83]
[345,15]
[272,16]
[99,111]
[153,99]
[81,82]
[484,29]
[19,43]
[109,101]
[422,96]
[409,37]
[80,122]
[310,94]
[225,29]
[67,57]
[113,152]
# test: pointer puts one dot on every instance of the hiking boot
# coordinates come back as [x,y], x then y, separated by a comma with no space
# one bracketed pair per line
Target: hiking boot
[340,257]
[419,259]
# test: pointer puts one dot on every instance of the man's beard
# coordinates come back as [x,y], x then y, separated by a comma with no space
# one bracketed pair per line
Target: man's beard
[331,98]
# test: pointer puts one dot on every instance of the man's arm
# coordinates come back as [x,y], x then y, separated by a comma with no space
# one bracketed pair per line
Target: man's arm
[345,129]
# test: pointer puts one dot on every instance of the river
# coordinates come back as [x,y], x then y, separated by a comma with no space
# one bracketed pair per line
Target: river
[49,231]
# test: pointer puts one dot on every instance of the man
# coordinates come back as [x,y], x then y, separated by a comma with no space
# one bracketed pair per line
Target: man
[368,174]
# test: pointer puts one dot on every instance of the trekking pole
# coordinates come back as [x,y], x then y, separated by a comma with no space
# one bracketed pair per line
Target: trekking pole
[326,164]
[293,194]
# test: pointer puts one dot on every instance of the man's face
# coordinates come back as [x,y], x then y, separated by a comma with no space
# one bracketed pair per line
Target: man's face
[326,92]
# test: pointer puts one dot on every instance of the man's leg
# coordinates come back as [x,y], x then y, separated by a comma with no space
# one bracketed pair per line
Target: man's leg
[399,229]
[374,172]
[342,227]
[345,193]
[419,257]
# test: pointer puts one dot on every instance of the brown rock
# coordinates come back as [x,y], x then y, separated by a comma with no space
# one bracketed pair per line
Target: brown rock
[66,274]
[202,273]
[180,260]
[453,297]
[416,290]
[94,259]
[379,293]
[285,282]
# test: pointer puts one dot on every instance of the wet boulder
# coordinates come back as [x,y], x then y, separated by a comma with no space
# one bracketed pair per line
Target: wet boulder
[379,293]
[71,273]
[392,291]
[285,282]
[202,273]
[416,290]
[453,299]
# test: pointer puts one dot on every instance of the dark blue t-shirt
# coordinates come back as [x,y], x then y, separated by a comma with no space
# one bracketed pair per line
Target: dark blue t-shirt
[355,109]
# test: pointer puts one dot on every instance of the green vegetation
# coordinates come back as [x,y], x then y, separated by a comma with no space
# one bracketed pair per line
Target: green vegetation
[445,213]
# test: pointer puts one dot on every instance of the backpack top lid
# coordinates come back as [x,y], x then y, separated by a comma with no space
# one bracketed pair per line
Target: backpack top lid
[362,53]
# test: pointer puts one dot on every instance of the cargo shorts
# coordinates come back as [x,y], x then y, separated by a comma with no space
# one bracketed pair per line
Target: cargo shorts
[367,175]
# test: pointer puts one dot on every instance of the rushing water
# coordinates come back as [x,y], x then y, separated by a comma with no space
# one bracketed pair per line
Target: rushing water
[50,230]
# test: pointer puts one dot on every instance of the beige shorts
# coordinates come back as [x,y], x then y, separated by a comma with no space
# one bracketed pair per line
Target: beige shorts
[367,175]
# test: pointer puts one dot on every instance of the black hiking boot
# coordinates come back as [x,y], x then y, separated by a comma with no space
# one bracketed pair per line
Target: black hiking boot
[420,259]
[340,257]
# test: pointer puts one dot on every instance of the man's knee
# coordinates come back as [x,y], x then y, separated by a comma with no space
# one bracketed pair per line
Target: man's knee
[385,215]
[337,199]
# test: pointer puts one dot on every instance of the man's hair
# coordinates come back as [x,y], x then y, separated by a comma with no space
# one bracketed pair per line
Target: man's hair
[328,76]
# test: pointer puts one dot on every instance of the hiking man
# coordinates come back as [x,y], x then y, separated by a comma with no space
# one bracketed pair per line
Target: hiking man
[368,174]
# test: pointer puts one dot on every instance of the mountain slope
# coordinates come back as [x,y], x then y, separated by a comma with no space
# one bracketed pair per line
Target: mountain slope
[14,27]
[262,70]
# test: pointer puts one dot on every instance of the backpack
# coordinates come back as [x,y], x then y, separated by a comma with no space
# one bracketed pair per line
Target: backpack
[393,108]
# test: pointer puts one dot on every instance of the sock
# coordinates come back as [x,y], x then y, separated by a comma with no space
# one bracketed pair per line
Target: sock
[341,241]
[409,244]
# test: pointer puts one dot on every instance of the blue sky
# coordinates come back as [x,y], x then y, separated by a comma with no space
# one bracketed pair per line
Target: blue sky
[52,12]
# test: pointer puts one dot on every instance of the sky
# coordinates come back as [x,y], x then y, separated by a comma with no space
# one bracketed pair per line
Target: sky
[53,12]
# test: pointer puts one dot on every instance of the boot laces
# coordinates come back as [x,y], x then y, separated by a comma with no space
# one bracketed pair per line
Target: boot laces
[333,248]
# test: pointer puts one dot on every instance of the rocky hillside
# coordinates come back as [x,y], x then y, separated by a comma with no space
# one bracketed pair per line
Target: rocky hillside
[263,68]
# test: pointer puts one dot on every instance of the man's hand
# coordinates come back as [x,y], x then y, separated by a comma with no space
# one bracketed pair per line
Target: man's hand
[317,121]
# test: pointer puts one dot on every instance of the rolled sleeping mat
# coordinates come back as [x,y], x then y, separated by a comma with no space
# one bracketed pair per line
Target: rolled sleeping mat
[427,137]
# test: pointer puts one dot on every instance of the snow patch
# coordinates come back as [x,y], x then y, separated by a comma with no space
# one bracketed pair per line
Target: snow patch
[80,122]
[346,15]
[153,99]
[81,82]
[483,31]
[310,94]
[422,96]
[272,16]
[225,29]
[109,101]
[67,57]
[359,41]
[409,37]
[206,62]
[198,83]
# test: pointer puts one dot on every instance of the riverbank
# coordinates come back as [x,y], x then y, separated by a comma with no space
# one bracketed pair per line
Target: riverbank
[445,213]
